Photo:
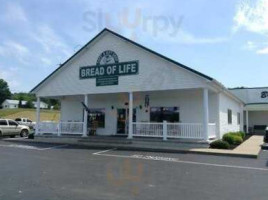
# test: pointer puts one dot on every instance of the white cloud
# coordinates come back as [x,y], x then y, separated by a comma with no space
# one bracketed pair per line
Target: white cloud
[188,38]
[250,45]
[14,13]
[252,16]
[184,37]
[46,61]
[11,75]
[263,51]
[14,49]
[50,41]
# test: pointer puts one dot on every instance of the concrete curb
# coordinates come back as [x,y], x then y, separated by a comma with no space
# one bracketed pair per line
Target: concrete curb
[136,148]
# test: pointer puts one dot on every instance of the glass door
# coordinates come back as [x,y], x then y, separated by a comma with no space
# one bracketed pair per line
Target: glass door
[122,120]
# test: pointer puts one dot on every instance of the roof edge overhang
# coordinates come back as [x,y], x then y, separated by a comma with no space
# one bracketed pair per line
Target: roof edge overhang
[221,87]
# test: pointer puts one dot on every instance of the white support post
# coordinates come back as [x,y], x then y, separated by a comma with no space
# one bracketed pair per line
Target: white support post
[247,129]
[37,116]
[242,118]
[85,117]
[164,130]
[130,117]
[205,114]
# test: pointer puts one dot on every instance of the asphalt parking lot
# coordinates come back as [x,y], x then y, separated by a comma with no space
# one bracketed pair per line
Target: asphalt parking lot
[47,171]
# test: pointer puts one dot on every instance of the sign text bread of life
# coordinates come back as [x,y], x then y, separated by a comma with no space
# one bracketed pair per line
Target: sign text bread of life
[116,69]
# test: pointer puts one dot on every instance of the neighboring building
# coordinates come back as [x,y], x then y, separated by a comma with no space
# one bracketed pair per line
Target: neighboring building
[132,90]
[256,107]
[8,103]
[11,104]
[43,105]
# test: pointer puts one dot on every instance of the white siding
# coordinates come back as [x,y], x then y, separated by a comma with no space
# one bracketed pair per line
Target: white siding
[226,103]
[155,73]
[71,109]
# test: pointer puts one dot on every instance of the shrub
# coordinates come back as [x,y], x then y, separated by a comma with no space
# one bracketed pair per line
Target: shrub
[239,133]
[233,138]
[242,134]
[31,136]
[237,140]
[219,144]
[228,137]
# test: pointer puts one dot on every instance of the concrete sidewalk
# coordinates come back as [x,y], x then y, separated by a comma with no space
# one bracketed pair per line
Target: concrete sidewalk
[250,148]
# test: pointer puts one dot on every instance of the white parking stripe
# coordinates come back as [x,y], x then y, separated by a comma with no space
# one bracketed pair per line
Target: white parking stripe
[31,147]
[178,161]
[54,147]
[99,152]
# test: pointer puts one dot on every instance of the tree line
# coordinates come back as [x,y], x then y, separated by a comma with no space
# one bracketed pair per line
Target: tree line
[5,93]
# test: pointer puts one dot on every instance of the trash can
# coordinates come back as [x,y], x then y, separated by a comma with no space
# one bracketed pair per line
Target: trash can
[265,139]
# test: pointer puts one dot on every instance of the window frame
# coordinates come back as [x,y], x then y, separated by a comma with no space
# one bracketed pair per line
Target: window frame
[229,116]
[238,118]
[15,123]
[3,121]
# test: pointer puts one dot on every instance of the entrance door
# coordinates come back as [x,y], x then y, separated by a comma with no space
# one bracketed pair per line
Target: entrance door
[122,120]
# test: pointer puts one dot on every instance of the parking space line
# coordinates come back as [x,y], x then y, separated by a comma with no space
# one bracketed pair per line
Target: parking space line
[100,152]
[31,147]
[53,147]
[178,161]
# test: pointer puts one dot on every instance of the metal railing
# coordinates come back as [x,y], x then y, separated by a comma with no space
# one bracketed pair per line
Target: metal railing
[212,130]
[147,129]
[59,128]
[185,130]
[172,130]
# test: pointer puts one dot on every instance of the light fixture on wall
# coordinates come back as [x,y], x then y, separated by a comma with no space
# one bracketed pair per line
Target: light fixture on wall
[112,107]
[140,106]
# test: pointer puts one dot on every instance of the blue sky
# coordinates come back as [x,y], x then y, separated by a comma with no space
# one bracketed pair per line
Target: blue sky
[227,40]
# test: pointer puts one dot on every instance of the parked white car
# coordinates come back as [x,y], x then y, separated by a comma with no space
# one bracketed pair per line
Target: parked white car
[9,127]
[26,122]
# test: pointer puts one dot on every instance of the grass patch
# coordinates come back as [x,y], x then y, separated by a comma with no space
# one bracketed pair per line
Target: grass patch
[45,115]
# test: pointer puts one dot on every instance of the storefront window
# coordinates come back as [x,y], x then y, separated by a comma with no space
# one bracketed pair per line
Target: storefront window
[160,114]
[97,116]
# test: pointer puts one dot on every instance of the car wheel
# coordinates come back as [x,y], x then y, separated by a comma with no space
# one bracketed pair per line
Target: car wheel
[24,133]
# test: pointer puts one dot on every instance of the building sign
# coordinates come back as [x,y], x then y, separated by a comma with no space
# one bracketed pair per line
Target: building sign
[106,80]
[108,69]
[264,94]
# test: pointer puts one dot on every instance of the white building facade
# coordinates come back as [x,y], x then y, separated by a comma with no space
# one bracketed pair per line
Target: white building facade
[128,89]
[256,108]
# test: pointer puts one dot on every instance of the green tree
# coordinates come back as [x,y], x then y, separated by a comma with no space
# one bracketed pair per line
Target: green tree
[4,91]
[29,104]
[24,96]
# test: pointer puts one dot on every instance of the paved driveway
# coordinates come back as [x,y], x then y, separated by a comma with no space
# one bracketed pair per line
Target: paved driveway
[63,172]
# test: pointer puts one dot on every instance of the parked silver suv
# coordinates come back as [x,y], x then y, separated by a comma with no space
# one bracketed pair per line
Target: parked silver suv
[9,127]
